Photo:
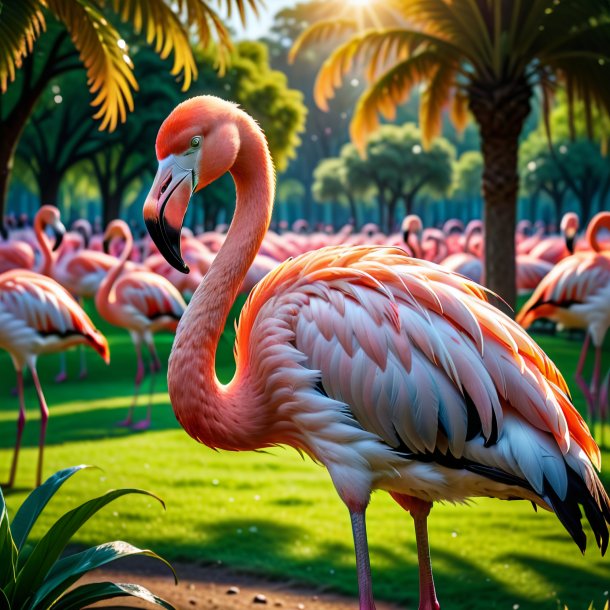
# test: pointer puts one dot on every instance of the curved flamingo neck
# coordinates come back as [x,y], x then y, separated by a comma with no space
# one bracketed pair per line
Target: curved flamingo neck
[199,403]
[48,258]
[601,221]
[102,297]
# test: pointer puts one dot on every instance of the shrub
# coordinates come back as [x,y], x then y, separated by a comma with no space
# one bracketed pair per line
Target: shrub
[37,577]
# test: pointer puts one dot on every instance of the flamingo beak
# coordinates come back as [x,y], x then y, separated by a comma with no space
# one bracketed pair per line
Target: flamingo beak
[570,236]
[166,206]
[59,230]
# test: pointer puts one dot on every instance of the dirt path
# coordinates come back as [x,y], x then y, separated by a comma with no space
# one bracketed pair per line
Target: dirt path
[208,588]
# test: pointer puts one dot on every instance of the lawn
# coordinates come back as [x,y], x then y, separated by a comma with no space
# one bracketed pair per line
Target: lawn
[277,514]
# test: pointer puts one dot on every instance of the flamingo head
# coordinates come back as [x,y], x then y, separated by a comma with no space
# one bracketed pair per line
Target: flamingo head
[569,227]
[196,144]
[116,229]
[411,224]
[48,216]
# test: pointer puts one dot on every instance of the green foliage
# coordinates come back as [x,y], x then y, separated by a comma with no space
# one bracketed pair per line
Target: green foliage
[37,577]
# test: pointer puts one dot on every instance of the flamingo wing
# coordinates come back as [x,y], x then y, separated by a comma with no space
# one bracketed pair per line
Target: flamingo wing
[422,361]
[36,303]
[149,295]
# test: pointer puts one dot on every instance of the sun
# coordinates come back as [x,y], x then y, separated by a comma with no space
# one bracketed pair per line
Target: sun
[359,2]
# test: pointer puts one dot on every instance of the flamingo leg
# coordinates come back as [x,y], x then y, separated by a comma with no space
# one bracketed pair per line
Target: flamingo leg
[155,367]
[594,388]
[427,592]
[582,384]
[83,363]
[63,368]
[44,418]
[20,426]
[363,565]
[137,383]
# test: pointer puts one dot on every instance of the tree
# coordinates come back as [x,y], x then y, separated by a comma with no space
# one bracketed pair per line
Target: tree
[332,187]
[483,57]
[467,177]
[58,136]
[98,47]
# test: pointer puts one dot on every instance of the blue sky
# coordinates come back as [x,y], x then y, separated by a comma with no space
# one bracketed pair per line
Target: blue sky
[258,27]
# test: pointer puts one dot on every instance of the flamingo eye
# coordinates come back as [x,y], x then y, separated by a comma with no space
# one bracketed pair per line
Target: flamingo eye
[195,142]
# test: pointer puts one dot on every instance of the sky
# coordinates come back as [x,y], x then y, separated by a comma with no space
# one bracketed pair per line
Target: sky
[258,27]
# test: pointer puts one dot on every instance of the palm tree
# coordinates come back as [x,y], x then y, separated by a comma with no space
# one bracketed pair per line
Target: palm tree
[489,57]
[97,47]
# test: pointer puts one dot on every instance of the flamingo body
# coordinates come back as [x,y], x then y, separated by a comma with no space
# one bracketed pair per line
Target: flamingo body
[38,316]
[394,373]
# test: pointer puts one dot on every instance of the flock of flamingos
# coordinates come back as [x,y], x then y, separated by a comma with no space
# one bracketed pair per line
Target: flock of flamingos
[336,326]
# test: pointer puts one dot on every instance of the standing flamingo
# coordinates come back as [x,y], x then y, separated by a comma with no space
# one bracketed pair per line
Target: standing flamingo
[48,216]
[576,293]
[37,316]
[392,372]
[143,303]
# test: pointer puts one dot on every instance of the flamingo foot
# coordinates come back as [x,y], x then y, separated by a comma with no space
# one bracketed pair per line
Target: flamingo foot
[124,423]
[61,377]
[141,425]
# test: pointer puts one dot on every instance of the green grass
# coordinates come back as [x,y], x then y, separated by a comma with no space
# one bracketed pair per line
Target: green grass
[277,514]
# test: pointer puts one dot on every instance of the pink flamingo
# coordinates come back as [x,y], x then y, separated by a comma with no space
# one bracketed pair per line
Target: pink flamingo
[392,372]
[48,216]
[576,294]
[37,316]
[556,247]
[16,254]
[141,302]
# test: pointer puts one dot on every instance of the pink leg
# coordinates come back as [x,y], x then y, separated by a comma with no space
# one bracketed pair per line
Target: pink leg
[44,418]
[580,380]
[20,426]
[155,367]
[420,509]
[63,373]
[594,388]
[138,381]
[363,565]
[83,363]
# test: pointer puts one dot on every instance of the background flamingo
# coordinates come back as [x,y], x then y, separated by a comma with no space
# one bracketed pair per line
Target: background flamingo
[392,372]
[141,302]
[576,294]
[37,316]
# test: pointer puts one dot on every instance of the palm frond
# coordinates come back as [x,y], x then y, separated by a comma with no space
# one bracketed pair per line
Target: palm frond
[20,24]
[388,92]
[209,27]
[109,69]
[241,7]
[323,31]
[368,47]
[162,27]
[458,110]
[434,97]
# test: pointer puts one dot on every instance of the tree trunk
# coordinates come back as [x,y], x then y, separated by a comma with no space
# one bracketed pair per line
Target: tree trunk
[353,211]
[111,203]
[500,110]
[49,188]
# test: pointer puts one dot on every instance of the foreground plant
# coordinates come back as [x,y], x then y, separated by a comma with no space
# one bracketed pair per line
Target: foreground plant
[38,578]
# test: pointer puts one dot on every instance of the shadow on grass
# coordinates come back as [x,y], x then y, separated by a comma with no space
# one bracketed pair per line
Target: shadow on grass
[281,553]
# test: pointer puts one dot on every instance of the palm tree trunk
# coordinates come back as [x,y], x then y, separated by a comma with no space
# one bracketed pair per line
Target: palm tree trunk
[500,110]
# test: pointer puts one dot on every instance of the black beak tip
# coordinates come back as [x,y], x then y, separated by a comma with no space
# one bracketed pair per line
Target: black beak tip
[3,231]
[167,239]
[59,237]
[106,246]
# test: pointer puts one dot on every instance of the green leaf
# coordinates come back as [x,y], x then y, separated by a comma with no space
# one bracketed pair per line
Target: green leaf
[69,569]
[33,572]
[34,504]
[4,603]
[88,594]
[8,550]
